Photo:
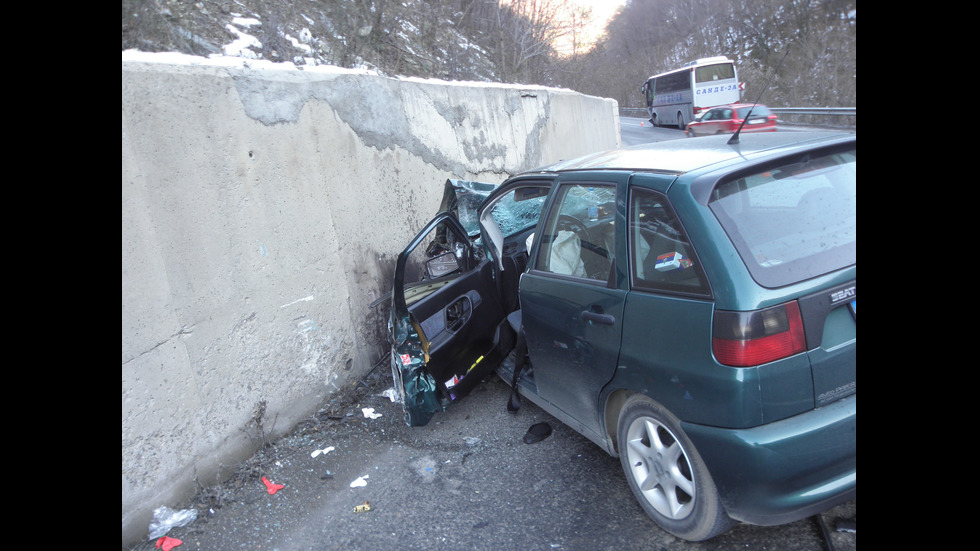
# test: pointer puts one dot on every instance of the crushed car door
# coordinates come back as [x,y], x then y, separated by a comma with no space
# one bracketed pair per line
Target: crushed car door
[443,317]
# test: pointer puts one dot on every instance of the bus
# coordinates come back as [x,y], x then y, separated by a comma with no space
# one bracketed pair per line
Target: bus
[675,97]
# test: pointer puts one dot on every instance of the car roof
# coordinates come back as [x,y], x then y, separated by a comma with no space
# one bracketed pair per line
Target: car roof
[687,154]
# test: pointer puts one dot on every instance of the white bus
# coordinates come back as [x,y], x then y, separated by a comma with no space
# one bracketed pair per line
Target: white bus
[676,96]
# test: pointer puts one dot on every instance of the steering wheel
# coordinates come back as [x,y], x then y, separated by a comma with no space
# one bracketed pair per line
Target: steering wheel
[570,223]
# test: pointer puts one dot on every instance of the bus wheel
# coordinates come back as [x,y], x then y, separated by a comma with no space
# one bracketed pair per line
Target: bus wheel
[680,121]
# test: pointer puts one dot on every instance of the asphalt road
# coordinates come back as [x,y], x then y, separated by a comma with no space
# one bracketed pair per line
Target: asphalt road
[635,131]
[466,481]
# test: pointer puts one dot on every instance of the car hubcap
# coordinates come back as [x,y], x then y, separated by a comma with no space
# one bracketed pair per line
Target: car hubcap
[660,468]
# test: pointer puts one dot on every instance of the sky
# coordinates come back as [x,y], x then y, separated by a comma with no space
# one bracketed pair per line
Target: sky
[602,11]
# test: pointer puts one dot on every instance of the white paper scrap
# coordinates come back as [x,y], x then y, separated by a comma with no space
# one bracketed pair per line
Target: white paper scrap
[324,451]
[359,482]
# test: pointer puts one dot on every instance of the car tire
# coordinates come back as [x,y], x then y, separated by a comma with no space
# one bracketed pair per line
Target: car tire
[666,473]
[680,121]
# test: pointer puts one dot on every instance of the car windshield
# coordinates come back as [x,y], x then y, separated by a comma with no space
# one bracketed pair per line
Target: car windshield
[795,221]
[518,210]
[469,195]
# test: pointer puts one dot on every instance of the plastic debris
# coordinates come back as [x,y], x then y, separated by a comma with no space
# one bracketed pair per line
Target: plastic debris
[165,518]
[369,413]
[167,543]
[537,433]
[327,476]
[362,508]
[270,487]
[324,451]
[359,482]
[391,394]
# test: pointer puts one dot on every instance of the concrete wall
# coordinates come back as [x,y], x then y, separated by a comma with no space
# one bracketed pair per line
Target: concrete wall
[262,208]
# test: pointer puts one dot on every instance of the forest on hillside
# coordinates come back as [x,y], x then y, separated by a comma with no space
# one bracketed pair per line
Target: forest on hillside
[804,49]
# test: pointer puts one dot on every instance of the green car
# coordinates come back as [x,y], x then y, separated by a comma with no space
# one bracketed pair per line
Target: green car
[689,306]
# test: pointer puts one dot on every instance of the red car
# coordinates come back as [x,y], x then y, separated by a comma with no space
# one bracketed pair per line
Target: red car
[725,119]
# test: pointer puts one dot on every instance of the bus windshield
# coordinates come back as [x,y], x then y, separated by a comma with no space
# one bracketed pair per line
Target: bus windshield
[711,73]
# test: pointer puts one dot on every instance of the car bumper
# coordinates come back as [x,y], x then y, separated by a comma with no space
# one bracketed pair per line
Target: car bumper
[787,470]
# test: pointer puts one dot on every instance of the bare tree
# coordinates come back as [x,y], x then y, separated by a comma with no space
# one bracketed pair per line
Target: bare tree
[521,35]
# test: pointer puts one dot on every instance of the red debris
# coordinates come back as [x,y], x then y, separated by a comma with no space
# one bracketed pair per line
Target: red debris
[272,488]
[167,543]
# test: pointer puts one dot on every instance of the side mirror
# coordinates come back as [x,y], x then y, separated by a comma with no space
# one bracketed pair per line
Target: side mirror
[442,265]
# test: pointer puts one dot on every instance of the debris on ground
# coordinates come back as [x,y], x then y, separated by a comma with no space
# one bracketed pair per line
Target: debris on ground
[360,482]
[362,508]
[391,394]
[270,487]
[167,543]
[537,433]
[324,451]
[165,518]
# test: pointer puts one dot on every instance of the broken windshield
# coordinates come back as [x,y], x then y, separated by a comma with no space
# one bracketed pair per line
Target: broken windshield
[520,210]
[469,197]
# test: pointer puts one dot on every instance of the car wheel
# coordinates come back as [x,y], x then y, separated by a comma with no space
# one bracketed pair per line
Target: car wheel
[680,121]
[666,473]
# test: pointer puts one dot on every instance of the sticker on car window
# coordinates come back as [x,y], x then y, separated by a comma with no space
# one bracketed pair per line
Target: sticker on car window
[672,261]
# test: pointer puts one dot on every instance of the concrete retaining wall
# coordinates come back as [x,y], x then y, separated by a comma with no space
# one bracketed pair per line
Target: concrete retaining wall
[262,208]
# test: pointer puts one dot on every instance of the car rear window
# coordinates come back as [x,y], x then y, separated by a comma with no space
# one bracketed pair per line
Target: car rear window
[793,222]
[757,111]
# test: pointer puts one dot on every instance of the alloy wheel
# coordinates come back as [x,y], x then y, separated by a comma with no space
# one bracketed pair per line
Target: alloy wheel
[660,467]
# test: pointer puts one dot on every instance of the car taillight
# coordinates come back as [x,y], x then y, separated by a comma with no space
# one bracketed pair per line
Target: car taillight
[742,339]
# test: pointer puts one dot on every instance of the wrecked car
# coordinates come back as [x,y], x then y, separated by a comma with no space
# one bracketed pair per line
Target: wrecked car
[689,306]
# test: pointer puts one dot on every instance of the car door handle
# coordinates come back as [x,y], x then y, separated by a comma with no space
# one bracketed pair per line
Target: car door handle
[458,313]
[602,319]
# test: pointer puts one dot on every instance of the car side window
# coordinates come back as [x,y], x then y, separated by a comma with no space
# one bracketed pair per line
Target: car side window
[578,238]
[661,256]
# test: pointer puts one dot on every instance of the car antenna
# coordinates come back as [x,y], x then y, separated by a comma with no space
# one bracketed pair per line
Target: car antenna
[734,139]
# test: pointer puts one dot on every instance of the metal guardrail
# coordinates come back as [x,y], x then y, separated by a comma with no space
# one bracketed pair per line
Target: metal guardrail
[638,112]
[835,111]
[807,116]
